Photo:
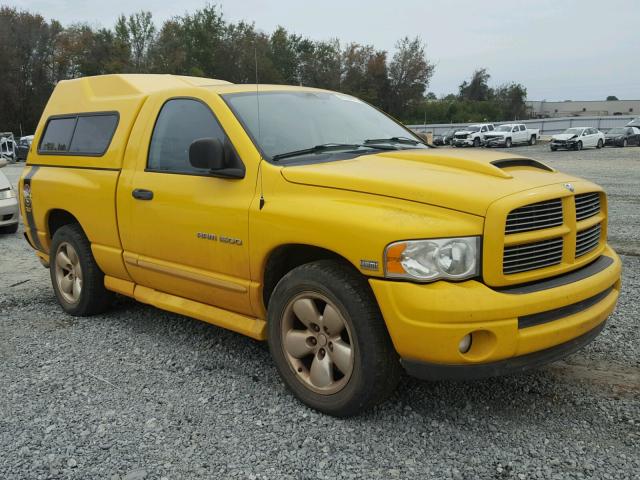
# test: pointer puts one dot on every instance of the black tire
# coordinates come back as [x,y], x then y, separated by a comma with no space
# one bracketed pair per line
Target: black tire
[8,229]
[476,142]
[375,365]
[625,142]
[533,140]
[508,143]
[93,297]
[553,149]
[579,145]
[600,144]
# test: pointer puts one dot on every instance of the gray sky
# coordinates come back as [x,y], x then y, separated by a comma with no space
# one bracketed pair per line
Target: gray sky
[580,50]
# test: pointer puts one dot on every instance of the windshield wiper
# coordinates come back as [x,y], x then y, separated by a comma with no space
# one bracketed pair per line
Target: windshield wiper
[404,140]
[327,147]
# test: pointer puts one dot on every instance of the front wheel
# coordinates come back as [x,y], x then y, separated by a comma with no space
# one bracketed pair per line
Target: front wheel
[600,144]
[476,142]
[625,142]
[508,143]
[329,341]
[553,149]
[579,145]
[77,280]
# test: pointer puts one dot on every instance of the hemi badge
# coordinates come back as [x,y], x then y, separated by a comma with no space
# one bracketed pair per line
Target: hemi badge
[369,264]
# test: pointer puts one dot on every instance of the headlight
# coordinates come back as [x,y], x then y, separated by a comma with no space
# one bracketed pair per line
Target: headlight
[435,259]
[8,193]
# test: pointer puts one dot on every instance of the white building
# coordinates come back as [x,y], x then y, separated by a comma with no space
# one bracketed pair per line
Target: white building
[578,108]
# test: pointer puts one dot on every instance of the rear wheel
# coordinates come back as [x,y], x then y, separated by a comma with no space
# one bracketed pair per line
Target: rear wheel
[600,144]
[329,341]
[77,280]
[533,140]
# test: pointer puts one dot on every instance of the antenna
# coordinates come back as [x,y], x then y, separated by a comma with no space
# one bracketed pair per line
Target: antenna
[255,56]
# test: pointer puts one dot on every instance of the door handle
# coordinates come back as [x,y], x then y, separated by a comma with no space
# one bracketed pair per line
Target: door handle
[142,194]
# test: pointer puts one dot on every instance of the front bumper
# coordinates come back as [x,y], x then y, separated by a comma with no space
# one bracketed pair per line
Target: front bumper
[490,142]
[434,371]
[8,212]
[426,322]
[613,142]
[569,145]
[463,142]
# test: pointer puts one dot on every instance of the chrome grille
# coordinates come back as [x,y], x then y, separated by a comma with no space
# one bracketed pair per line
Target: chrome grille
[535,216]
[587,240]
[587,205]
[531,256]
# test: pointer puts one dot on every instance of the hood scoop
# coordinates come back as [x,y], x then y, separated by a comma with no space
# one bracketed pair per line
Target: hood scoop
[521,162]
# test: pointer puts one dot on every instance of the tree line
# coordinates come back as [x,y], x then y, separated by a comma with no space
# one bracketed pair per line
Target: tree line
[475,101]
[35,54]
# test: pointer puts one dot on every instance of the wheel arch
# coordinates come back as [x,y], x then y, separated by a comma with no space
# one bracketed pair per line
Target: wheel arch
[284,258]
[58,218]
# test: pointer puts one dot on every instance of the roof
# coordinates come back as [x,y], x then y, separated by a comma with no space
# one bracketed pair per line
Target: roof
[141,85]
[118,85]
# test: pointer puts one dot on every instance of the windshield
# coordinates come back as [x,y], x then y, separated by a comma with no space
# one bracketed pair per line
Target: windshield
[472,128]
[619,131]
[503,128]
[573,131]
[299,120]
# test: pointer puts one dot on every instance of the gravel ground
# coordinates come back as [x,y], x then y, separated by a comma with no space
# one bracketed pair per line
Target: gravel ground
[140,393]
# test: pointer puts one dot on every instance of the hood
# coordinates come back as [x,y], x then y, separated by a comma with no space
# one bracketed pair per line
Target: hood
[563,136]
[614,135]
[468,182]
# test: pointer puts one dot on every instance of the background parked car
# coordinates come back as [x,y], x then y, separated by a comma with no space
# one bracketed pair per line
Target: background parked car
[24,144]
[511,134]
[634,123]
[445,138]
[8,203]
[622,136]
[577,138]
[472,135]
[8,146]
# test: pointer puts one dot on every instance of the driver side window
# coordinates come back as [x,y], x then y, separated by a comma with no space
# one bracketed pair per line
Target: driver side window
[179,123]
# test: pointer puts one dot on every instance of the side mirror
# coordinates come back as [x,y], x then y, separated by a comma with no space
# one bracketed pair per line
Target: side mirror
[207,153]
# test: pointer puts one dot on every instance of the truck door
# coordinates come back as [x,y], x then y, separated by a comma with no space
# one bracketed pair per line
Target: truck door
[184,231]
[522,134]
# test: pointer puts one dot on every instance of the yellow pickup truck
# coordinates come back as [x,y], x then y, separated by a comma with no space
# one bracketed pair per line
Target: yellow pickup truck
[312,220]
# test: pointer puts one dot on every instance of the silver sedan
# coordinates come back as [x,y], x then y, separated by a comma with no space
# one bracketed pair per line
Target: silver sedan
[8,204]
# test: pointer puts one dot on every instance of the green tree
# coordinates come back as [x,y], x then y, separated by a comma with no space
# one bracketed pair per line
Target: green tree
[477,89]
[141,35]
[283,54]
[409,75]
[612,98]
[511,98]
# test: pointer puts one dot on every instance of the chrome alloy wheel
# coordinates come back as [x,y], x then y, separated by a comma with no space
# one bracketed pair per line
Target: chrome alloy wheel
[68,273]
[317,343]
